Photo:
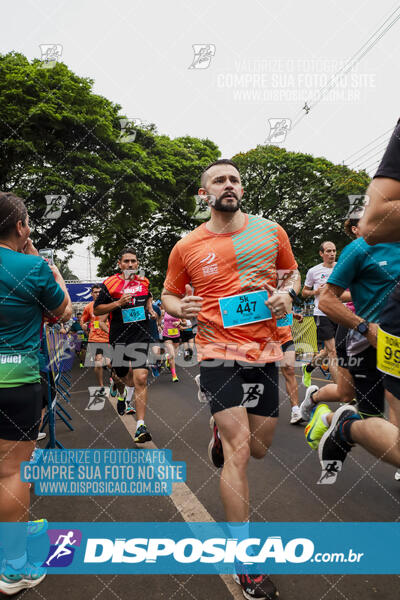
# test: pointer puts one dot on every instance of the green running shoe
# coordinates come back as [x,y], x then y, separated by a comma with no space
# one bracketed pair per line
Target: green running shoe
[316,428]
[306,379]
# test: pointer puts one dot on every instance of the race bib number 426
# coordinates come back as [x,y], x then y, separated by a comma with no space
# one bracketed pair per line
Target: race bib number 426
[388,353]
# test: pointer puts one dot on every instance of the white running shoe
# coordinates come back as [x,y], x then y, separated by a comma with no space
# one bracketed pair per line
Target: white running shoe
[41,435]
[397,476]
[295,416]
[307,405]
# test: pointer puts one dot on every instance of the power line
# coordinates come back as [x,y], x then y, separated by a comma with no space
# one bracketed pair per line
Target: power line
[368,154]
[366,145]
[352,62]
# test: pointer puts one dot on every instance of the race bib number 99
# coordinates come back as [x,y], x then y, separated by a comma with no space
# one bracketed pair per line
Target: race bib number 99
[388,353]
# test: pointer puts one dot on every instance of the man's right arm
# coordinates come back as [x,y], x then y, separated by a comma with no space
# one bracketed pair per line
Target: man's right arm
[104,304]
[308,291]
[381,220]
[182,308]
[104,309]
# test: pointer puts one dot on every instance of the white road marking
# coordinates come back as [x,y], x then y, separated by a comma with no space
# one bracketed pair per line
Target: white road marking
[185,501]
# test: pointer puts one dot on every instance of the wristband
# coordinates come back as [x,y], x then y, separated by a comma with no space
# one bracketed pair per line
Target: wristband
[295,299]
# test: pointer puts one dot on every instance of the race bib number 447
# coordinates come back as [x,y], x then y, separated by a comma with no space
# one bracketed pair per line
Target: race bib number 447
[243,309]
[388,353]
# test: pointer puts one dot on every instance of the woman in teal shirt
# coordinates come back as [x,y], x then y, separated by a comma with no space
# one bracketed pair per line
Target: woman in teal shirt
[29,290]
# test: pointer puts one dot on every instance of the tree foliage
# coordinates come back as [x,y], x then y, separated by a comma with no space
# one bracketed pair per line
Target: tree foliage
[181,162]
[59,138]
[308,196]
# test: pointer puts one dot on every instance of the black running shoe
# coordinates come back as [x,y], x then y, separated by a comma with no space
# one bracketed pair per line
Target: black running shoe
[215,450]
[142,435]
[257,586]
[121,405]
[333,449]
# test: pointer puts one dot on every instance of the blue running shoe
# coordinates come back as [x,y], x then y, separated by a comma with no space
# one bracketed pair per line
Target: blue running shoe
[13,580]
[155,370]
[36,528]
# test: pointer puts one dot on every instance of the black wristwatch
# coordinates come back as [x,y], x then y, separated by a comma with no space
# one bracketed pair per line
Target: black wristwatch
[294,297]
[362,327]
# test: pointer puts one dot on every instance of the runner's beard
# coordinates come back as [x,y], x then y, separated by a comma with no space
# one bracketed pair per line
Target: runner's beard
[230,207]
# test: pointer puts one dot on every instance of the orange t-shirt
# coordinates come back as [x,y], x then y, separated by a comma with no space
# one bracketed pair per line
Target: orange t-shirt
[226,264]
[95,333]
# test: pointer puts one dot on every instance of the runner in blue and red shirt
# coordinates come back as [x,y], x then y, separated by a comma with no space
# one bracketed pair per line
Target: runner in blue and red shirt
[126,297]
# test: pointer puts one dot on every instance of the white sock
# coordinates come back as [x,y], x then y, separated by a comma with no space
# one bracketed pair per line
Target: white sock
[139,423]
[129,393]
[325,420]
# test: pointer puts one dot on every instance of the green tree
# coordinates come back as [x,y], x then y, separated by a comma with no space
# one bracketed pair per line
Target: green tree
[59,138]
[308,196]
[181,162]
[65,270]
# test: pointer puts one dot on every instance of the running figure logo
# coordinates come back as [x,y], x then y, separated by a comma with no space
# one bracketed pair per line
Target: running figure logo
[252,393]
[50,54]
[278,130]
[357,204]
[330,471]
[63,543]
[54,206]
[203,54]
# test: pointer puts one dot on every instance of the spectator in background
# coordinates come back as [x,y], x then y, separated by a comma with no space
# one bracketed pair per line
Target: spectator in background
[29,290]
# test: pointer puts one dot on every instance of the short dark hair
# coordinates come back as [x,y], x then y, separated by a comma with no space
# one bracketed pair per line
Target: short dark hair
[127,250]
[348,224]
[321,248]
[12,210]
[96,286]
[221,161]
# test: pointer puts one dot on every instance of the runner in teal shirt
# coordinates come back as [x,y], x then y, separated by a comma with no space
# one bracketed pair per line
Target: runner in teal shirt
[379,267]
[27,290]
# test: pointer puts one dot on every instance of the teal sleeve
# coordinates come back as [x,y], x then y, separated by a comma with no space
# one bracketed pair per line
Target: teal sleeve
[347,267]
[50,295]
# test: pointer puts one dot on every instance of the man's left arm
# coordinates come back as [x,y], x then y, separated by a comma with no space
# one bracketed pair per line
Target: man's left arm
[333,307]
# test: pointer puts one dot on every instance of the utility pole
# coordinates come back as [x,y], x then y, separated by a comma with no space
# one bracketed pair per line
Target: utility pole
[90,262]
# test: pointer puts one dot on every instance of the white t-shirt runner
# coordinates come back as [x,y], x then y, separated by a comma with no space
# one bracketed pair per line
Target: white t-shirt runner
[317,276]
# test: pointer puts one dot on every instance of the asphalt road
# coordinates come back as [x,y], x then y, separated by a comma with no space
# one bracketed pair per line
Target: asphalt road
[283,488]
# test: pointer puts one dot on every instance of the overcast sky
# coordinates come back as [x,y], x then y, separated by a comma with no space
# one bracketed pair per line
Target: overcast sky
[266,58]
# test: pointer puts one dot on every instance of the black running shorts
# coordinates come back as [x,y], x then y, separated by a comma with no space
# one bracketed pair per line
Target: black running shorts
[390,322]
[326,329]
[186,335]
[20,412]
[340,343]
[134,355]
[368,382]
[255,388]
[288,346]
